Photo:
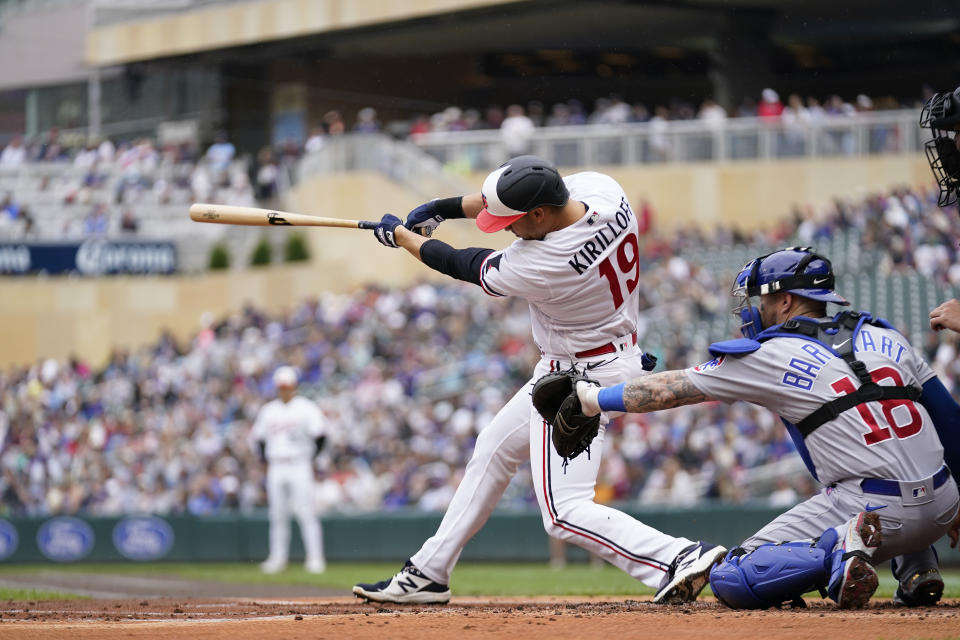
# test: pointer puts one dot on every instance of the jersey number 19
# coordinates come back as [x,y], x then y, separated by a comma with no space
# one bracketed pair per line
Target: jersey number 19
[628,261]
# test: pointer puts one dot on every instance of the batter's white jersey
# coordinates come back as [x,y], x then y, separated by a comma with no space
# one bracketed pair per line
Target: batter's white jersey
[793,376]
[288,429]
[582,280]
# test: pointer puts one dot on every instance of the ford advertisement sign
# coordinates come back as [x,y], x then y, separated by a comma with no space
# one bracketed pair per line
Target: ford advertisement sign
[95,256]
[65,539]
[143,538]
[8,539]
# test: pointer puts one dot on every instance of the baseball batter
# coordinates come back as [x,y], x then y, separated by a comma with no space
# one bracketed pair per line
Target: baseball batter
[576,261]
[864,410]
[288,433]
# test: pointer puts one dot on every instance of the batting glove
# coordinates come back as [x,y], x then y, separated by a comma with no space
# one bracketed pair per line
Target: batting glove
[424,219]
[385,230]
[428,216]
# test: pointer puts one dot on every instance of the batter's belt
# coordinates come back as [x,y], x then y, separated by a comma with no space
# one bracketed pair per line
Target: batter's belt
[618,345]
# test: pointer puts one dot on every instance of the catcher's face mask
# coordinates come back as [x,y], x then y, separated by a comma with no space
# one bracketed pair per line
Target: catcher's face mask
[941,114]
[743,309]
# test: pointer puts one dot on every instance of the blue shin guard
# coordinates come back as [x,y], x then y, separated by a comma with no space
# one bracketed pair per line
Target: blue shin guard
[772,574]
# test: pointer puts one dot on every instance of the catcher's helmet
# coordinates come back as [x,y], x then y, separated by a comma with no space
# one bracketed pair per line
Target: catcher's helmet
[517,187]
[795,269]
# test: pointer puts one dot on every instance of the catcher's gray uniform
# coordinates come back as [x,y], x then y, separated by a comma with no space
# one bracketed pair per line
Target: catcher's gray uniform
[865,455]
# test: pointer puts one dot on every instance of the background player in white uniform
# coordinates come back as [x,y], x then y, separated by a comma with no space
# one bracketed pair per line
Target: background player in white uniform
[881,458]
[289,432]
[576,261]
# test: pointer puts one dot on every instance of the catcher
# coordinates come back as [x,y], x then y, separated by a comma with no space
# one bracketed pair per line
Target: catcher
[865,412]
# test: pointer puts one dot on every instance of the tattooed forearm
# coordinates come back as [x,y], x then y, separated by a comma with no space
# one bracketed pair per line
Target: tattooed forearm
[661,391]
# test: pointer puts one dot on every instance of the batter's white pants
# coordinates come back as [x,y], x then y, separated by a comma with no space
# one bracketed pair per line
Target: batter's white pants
[565,495]
[290,488]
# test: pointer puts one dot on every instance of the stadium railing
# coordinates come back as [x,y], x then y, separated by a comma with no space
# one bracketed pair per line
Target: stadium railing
[397,159]
[676,141]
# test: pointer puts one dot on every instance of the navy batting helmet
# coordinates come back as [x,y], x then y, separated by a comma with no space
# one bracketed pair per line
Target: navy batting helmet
[517,187]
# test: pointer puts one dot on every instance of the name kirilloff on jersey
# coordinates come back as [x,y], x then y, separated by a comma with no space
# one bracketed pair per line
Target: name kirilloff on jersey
[625,259]
[602,238]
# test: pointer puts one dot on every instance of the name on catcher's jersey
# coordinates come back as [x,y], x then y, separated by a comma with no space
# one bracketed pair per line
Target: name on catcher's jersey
[794,376]
[582,281]
[289,429]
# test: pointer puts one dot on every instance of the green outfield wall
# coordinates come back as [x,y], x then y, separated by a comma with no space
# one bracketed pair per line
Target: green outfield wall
[507,536]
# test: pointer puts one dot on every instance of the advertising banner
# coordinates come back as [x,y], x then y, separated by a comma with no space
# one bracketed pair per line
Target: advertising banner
[95,257]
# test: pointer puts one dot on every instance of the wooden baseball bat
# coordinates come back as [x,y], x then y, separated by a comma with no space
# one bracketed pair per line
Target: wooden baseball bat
[252,216]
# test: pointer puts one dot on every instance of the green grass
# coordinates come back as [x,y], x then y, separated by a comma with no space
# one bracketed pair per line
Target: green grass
[468,578]
[34,594]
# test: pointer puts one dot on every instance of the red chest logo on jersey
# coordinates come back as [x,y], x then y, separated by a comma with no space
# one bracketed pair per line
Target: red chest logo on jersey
[708,366]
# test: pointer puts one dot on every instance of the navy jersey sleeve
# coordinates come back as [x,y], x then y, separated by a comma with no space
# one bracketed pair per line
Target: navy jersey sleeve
[945,413]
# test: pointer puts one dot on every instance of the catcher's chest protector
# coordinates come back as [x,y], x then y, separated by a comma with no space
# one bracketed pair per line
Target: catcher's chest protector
[839,337]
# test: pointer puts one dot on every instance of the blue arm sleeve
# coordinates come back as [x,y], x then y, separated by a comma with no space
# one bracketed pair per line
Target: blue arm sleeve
[611,398]
[946,418]
[462,264]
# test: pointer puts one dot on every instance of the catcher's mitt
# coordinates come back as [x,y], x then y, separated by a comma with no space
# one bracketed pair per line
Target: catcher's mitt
[555,397]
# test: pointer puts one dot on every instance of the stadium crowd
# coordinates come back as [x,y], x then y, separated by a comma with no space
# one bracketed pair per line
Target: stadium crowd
[612,109]
[96,186]
[406,379]
[905,226]
[96,189]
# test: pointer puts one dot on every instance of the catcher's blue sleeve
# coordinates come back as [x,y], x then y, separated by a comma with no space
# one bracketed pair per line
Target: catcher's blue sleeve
[611,398]
[945,412]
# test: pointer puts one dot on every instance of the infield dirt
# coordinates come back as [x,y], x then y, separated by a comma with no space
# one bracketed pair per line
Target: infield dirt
[513,618]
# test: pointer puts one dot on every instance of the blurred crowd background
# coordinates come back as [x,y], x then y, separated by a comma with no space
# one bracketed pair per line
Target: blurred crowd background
[408,377]
[115,116]
[96,186]
[164,429]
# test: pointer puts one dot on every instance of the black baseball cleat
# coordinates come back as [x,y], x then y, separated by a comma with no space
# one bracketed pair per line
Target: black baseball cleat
[689,573]
[409,586]
[922,589]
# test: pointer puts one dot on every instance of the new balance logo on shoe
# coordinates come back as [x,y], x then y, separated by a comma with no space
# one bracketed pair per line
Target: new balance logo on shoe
[408,586]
